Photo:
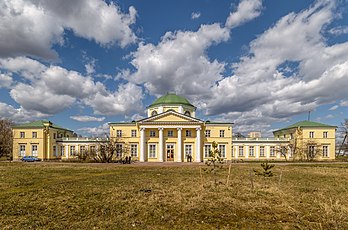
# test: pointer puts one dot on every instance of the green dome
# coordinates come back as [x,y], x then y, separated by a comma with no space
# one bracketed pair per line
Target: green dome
[171,99]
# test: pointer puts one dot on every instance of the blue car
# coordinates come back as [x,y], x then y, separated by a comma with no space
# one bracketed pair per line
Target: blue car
[30,159]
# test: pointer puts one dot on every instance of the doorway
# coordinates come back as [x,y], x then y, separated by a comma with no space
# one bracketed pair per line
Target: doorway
[170,152]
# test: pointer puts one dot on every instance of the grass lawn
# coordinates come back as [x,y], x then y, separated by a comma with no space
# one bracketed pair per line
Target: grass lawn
[111,196]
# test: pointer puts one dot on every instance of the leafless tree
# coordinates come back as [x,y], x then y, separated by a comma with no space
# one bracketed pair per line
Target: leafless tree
[6,139]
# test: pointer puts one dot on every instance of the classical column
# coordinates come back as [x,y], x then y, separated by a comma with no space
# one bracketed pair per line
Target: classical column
[257,150]
[247,151]
[160,144]
[179,147]
[66,151]
[142,145]
[198,145]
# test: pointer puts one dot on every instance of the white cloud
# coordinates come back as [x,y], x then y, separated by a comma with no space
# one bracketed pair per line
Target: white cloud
[179,62]
[50,90]
[31,27]
[339,30]
[18,115]
[102,130]
[87,118]
[195,15]
[334,107]
[5,80]
[344,103]
[246,11]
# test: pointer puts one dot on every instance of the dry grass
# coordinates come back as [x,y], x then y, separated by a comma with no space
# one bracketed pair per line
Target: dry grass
[92,196]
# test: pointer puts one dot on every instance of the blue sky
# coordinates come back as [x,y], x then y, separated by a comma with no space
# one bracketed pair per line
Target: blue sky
[260,64]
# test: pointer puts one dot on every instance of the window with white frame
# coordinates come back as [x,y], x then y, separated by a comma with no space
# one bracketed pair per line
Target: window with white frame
[272,151]
[152,133]
[72,150]
[170,133]
[311,151]
[207,149]
[222,149]
[241,151]
[22,134]
[188,133]
[325,151]
[188,151]
[34,150]
[22,150]
[82,148]
[324,134]
[262,151]
[119,148]
[34,134]
[251,151]
[134,150]
[92,149]
[152,151]
[222,133]
[118,133]
[134,133]
[311,134]
[62,150]
[207,133]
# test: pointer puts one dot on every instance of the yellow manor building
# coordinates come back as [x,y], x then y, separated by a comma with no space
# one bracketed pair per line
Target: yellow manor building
[172,133]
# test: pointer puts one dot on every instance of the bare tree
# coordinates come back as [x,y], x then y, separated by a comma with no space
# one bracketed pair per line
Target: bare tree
[343,132]
[6,139]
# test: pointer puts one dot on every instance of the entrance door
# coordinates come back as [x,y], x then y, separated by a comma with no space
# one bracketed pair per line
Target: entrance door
[170,152]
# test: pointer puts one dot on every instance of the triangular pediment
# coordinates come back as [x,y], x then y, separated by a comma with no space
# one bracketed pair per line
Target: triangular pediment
[170,116]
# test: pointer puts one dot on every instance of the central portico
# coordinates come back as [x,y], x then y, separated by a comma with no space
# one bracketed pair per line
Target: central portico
[171,133]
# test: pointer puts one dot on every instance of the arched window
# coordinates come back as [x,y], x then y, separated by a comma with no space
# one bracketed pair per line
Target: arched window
[154,113]
[187,113]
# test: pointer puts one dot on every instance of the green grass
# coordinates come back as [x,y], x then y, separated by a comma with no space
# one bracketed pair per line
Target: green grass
[112,196]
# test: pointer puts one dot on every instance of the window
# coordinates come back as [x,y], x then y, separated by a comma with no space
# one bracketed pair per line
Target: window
[187,113]
[134,133]
[188,133]
[22,134]
[82,149]
[62,150]
[34,150]
[207,149]
[311,134]
[325,151]
[324,134]
[92,149]
[34,134]
[134,150]
[154,113]
[188,152]
[119,150]
[118,133]
[207,133]
[284,136]
[251,151]
[55,151]
[232,152]
[22,150]
[262,151]
[152,151]
[272,151]
[241,151]
[72,150]
[170,133]
[222,133]
[311,151]
[152,133]
[291,136]
[54,135]
[222,149]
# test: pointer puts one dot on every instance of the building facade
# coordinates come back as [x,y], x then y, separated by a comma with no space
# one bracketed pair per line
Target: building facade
[172,133]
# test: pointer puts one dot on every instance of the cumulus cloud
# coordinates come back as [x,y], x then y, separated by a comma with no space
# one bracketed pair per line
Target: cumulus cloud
[31,27]
[102,130]
[339,30]
[18,115]
[5,80]
[262,87]
[52,89]
[179,62]
[246,11]
[195,15]
[87,118]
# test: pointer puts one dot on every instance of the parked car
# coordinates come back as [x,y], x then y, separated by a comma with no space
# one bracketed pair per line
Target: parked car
[30,159]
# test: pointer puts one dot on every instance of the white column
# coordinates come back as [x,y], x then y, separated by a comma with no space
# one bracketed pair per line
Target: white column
[246,151]
[66,151]
[179,147]
[160,144]
[257,150]
[198,145]
[181,109]
[142,145]
[160,109]
[267,149]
